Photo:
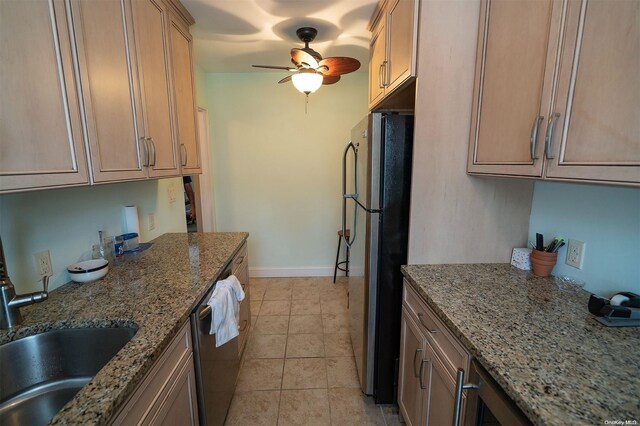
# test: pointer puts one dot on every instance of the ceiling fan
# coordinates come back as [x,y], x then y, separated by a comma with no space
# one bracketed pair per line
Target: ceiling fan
[310,71]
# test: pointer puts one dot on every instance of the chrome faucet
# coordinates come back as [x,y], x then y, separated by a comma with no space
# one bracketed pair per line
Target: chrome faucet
[11,302]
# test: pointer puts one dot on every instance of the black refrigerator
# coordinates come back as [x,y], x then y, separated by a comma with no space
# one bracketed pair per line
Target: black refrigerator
[376,186]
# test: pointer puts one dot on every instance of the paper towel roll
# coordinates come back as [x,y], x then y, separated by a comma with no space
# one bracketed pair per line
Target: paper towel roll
[131,223]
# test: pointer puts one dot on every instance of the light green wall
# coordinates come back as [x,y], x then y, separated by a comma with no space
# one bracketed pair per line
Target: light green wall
[201,87]
[277,170]
[66,222]
[606,218]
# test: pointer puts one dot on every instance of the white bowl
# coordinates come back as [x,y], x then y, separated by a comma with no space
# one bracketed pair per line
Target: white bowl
[89,270]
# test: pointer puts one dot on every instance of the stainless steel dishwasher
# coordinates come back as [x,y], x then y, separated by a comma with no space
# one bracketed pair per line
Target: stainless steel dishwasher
[216,368]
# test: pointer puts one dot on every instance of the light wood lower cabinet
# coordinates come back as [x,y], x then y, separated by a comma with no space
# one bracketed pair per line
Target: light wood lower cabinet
[167,396]
[41,142]
[429,359]
[414,379]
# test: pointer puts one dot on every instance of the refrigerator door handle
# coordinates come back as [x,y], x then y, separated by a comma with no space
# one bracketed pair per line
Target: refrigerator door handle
[349,240]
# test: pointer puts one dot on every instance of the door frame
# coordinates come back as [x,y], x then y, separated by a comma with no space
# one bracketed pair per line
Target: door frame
[205,208]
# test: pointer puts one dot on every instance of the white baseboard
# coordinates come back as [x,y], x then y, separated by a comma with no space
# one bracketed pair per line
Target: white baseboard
[306,271]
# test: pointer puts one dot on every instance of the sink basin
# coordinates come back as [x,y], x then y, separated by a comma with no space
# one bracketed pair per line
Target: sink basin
[41,373]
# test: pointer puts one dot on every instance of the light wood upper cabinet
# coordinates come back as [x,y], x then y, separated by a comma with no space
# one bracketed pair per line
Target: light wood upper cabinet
[557,92]
[393,47]
[377,53]
[597,133]
[184,89]
[107,63]
[402,29]
[151,26]
[514,78]
[41,142]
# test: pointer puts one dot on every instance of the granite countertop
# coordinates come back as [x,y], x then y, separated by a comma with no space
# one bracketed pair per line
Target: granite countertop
[155,291]
[538,341]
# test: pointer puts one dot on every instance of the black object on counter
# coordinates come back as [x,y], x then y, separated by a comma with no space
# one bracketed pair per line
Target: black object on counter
[539,242]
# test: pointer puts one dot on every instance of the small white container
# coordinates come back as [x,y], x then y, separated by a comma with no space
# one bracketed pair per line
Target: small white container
[521,258]
[89,270]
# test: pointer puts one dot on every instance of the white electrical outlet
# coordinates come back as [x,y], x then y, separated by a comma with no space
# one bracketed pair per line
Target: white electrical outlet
[171,191]
[152,221]
[43,263]
[575,254]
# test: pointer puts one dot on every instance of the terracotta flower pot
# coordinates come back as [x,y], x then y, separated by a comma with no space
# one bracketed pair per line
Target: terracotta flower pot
[542,262]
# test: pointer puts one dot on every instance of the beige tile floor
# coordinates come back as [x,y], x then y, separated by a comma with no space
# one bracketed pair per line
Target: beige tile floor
[298,367]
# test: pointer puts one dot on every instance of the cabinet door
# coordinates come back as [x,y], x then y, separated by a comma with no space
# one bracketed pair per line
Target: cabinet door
[377,62]
[41,142]
[150,27]
[184,91]
[514,77]
[403,34]
[106,58]
[414,372]
[442,393]
[180,407]
[597,134]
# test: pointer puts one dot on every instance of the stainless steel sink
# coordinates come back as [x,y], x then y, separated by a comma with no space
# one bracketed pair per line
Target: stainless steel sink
[39,374]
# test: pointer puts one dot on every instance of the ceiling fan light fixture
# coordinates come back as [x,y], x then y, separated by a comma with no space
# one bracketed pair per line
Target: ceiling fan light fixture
[307,82]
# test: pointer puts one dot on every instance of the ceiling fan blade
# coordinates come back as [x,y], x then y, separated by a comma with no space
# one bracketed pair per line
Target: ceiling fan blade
[274,67]
[299,56]
[330,79]
[284,80]
[339,65]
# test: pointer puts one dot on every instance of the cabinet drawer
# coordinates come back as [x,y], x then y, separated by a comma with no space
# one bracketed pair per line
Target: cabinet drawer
[447,347]
[240,260]
[148,398]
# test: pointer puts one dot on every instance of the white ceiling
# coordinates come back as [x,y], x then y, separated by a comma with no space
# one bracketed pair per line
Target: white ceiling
[231,35]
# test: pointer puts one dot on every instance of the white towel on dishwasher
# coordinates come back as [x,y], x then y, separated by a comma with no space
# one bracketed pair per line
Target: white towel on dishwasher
[225,309]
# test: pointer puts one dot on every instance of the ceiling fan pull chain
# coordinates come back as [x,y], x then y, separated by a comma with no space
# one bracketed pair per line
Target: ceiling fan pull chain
[306,102]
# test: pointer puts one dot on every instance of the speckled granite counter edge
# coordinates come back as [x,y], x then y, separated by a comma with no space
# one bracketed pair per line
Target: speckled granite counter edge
[476,352]
[138,356]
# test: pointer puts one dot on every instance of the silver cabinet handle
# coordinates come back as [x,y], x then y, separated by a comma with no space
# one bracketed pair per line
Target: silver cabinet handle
[387,73]
[153,150]
[422,363]
[459,389]
[415,355]
[549,137]
[534,136]
[240,260]
[184,154]
[420,315]
[380,77]
[146,151]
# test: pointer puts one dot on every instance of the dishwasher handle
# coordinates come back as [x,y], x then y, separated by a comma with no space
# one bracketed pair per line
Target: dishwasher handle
[204,312]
